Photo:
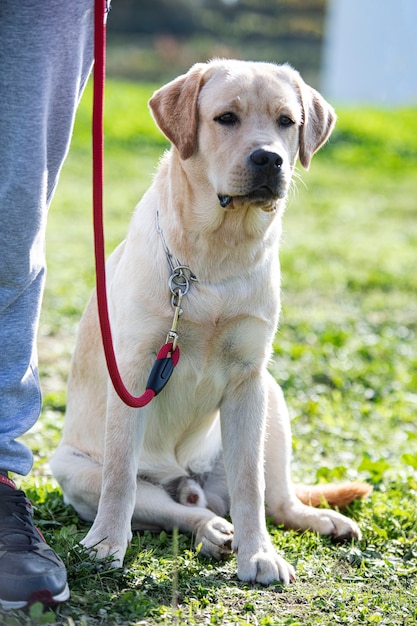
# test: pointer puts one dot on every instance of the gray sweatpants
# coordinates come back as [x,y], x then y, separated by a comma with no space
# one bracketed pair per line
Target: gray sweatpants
[46,52]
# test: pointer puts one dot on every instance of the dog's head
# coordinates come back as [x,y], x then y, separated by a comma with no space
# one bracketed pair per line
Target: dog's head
[245,123]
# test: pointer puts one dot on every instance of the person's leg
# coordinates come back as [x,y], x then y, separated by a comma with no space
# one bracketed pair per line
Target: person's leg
[46,51]
[45,58]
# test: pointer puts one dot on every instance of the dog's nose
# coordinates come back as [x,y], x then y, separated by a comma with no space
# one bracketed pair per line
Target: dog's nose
[269,161]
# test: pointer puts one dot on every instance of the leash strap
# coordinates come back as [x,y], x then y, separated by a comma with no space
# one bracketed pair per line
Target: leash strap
[168,355]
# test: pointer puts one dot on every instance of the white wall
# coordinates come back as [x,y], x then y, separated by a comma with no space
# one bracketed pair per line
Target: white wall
[370,52]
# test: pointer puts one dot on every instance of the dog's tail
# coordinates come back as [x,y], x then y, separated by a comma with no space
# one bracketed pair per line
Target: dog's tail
[332,494]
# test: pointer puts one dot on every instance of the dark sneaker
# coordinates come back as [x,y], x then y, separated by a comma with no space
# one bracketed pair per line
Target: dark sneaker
[30,571]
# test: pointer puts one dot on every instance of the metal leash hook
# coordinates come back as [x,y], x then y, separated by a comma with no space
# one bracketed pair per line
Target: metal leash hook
[172,336]
[179,285]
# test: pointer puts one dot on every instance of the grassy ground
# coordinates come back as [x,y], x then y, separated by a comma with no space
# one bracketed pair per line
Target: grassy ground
[345,355]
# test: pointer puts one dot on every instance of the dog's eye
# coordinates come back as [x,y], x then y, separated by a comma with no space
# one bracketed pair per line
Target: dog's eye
[227,119]
[284,120]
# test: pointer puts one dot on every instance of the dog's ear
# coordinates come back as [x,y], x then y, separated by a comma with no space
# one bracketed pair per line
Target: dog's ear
[175,109]
[319,119]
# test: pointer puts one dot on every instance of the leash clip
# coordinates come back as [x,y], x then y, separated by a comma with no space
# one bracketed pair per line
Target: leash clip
[176,300]
[179,284]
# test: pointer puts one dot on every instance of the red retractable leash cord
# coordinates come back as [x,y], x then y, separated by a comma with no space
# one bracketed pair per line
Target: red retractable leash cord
[167,357]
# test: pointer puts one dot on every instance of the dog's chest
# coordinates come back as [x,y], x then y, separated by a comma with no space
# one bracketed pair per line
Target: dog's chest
[224,339]
[214,360]
[221,353]
[230,324]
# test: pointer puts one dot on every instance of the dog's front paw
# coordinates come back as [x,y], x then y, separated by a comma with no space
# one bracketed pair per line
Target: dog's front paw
[263,566]
[101,547]
[214,538]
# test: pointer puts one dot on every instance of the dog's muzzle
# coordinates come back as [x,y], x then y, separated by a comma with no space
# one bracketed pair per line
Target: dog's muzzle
[267,184]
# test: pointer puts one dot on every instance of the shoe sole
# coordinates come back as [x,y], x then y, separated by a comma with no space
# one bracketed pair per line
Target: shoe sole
[44,596]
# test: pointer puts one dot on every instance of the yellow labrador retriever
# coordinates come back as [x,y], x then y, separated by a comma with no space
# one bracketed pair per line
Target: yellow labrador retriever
[217,439]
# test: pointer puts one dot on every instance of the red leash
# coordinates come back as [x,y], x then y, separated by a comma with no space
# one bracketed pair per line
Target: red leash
[167,357]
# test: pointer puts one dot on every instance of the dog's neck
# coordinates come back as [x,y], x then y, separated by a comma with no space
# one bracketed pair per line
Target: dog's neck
[213,237]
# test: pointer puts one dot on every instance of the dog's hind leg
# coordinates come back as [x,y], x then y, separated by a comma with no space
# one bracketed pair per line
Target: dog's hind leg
[216,489]
[80,479]
[156,510]
[281,500]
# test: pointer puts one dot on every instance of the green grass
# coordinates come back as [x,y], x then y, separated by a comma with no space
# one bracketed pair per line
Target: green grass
[345,355]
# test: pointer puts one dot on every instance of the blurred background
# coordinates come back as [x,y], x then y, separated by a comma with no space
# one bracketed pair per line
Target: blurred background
[354,51]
